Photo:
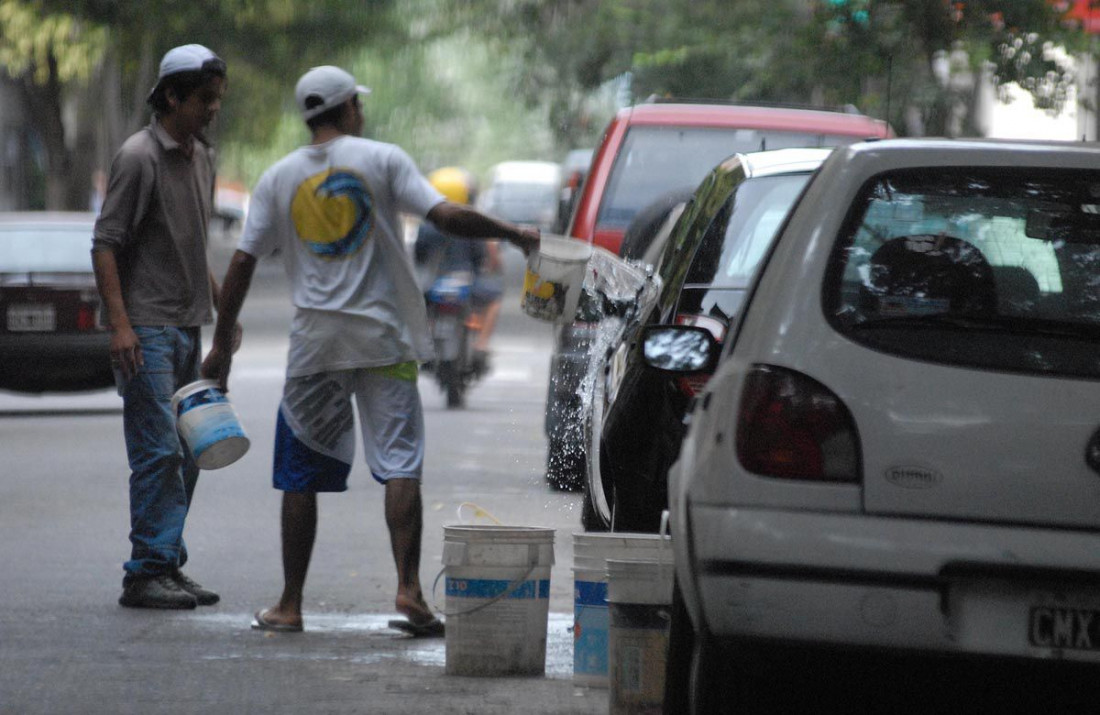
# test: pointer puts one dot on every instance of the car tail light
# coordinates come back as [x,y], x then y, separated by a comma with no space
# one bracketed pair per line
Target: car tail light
[448,308]
[792,427]
[86,317]
[694,384]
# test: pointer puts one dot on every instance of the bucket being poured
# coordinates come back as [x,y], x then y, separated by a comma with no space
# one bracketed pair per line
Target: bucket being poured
[554,277]
[498,598]
[591,552]
[209,425]
[640,597]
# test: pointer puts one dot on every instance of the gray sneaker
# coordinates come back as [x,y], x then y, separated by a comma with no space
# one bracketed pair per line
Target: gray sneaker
[203,596]
[155,592]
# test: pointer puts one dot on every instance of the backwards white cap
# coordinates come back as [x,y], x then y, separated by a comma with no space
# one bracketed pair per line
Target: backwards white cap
[186,58]
[323,88]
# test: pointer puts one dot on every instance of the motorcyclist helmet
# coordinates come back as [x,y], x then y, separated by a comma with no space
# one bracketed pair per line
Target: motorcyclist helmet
[455,183]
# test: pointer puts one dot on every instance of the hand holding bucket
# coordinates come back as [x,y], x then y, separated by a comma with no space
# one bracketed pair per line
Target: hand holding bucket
[554,277]
[208,423]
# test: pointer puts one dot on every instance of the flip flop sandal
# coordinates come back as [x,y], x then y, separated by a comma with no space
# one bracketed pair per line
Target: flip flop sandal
[260,623]
[431,629]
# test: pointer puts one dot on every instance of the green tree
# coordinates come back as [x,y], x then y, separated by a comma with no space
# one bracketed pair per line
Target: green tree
[879,55]
[920,60]
[46,54]
[99,57]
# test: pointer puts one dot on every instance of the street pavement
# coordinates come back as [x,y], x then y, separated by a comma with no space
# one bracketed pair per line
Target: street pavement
[67,647]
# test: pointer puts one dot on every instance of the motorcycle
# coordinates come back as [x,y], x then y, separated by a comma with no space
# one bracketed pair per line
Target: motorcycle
[452,321]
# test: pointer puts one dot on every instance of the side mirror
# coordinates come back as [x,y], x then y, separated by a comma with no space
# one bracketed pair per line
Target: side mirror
[680,349]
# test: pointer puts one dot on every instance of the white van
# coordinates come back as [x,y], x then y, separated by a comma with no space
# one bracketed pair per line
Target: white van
[523,192]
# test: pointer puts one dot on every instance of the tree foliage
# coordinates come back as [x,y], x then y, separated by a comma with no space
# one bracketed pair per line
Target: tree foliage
[449,75]
[58,49]
[885,57]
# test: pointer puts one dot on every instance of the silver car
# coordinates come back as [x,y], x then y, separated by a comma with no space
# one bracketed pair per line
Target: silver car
[899,451]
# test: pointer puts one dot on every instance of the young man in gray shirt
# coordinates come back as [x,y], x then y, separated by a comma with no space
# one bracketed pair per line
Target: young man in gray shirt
[149,256]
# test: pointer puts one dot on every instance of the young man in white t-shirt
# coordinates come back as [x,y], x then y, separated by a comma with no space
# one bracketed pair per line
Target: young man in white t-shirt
[359,330]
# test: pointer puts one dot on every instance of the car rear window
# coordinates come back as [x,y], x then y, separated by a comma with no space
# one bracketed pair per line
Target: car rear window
[653,160]
[988,267]
[41,249]
[743,229]
[37,249]
[522,202]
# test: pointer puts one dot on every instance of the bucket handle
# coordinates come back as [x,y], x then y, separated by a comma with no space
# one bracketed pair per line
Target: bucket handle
[532,560]
[478,512]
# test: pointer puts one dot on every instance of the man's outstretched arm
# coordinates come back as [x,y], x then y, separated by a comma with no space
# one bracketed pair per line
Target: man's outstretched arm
[234,289]
[465,222]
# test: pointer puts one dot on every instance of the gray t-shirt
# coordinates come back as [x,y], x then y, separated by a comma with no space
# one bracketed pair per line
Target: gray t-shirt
[332,210]
[155,218]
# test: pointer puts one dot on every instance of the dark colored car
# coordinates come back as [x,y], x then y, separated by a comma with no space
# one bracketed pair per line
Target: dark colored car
[646,152]
[51,337]
[635,426]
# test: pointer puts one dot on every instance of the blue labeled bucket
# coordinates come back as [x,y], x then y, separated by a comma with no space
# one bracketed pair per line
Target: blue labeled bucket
[498,598]
[591,615]
[209,425]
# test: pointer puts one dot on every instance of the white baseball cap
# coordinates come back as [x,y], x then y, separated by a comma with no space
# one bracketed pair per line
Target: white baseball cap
[323,88]
[186,58]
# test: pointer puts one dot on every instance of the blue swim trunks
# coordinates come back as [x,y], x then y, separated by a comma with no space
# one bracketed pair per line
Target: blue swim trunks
[315,436]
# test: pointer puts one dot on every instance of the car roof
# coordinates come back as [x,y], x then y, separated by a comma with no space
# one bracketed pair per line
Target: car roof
[783,161]
[755,117]
[898,153]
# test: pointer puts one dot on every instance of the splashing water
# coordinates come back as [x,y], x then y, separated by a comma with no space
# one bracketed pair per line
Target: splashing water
[615,294]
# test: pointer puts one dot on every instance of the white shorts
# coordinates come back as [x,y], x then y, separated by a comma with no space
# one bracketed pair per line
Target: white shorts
[315,439]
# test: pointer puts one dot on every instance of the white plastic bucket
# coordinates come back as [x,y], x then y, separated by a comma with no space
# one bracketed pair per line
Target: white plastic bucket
[554,277]
[640,598]
[498,598]
[590,610]
[209,425]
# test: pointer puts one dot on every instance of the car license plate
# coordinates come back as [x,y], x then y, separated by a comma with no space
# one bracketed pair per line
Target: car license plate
[1025,619]
[34,317]
[1064,627]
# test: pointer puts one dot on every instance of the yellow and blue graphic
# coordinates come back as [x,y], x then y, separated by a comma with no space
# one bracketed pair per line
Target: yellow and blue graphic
[332,212]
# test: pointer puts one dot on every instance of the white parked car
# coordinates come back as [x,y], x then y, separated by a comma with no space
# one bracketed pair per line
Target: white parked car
[900,447]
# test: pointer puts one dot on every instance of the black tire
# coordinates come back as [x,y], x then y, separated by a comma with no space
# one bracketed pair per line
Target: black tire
[681,645]
[643,228]
[633,507]
[451,380]
[456,399]
[565,454]
[709,694]
[590,519]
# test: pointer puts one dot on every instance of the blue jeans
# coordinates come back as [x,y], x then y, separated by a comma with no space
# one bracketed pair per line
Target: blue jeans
[163,473]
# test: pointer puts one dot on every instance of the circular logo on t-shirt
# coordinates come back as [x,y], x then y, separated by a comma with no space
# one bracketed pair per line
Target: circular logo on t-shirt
[332,213]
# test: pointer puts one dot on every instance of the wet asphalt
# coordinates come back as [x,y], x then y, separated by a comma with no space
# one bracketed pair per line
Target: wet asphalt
[67,647]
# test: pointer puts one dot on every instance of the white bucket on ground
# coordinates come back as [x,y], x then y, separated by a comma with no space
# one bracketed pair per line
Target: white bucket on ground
[554,277]
[590,610]
[209,425]
[640,597]
[498,598]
